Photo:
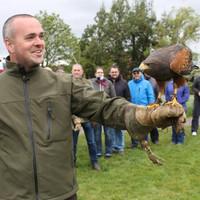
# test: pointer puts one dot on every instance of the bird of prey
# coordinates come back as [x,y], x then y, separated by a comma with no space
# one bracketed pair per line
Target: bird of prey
[172,62]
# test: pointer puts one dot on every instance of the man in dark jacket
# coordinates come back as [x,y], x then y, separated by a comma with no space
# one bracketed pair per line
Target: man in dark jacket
[36,159]
[122,90]
[196,107]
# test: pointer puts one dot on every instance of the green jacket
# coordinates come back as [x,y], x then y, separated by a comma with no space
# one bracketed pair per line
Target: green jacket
[36,159]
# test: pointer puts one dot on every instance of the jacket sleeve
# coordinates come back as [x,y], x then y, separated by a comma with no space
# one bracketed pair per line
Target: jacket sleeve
[185,94]
[195,86]
[112,89]
[127,94]
[97,106]
[150,93]
[117,112]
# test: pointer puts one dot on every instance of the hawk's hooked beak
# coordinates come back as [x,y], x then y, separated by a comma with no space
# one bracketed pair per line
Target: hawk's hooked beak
[143,67]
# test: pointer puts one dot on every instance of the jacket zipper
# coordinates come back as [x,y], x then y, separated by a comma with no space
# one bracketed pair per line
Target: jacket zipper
[49,120]
[30,131]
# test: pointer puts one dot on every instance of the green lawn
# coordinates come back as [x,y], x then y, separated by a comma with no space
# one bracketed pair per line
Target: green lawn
[133,177]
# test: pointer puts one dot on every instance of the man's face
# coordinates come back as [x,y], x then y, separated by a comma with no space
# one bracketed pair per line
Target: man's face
[114,73]
[99,73]
[77,71]
[26,45]
[136,75]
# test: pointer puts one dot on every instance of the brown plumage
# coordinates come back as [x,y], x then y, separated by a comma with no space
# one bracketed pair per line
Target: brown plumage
[164,64]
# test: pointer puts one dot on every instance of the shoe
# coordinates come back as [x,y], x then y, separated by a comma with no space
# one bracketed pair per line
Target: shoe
[194,133]
[95,166]
[179,143]
[134,145]
[99,155]
[114,150]
[108,155]
[155,142]
[173,142]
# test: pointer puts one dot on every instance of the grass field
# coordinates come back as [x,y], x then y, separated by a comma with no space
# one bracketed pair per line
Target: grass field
[133,177]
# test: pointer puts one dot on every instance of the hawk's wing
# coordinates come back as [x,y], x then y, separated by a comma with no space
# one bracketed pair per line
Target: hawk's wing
[181,62]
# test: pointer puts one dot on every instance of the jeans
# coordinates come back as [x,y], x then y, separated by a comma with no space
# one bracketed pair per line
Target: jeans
[177,138]
[89,134]
[118,140]
[108,138]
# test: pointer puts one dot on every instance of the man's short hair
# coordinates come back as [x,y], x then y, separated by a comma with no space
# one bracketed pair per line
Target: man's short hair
[7,30]
[115,66]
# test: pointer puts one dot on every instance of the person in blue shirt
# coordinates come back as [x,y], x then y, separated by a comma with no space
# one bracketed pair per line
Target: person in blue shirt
[141,92]
[183,94]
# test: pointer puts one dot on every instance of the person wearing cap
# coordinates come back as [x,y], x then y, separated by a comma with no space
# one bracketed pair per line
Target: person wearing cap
[141,92]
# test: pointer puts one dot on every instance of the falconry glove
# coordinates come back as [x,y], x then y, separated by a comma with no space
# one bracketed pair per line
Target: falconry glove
[146,118]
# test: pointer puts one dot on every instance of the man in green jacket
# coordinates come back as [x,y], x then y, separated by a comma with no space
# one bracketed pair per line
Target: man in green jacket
[36,157]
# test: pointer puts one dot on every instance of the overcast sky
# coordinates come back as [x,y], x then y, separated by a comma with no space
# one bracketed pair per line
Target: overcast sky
[76,13]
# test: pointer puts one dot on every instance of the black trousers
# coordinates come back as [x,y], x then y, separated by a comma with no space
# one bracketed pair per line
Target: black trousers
[74,197]
[195,114]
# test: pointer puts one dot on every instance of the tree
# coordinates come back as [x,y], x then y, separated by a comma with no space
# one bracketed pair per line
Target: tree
[124,32]
[127,33]
[117,33]
[140,35]
[93,44]
[61,44]
[178,26]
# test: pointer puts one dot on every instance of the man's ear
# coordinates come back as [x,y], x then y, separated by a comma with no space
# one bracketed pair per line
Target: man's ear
[9,45]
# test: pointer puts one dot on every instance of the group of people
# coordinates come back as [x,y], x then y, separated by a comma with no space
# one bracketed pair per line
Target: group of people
[140,90]
[114,138]
[37,107]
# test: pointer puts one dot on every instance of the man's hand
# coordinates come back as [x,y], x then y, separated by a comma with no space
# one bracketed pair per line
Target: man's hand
[77,123]
[77,127]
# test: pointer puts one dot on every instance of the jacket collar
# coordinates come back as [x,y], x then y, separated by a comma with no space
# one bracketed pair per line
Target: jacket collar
[19,70]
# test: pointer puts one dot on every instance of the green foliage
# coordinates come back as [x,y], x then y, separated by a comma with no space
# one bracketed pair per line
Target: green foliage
[61,44]
[133,177]
[93,44]
[127,33]
[178,26]
[124,33]
[140,32]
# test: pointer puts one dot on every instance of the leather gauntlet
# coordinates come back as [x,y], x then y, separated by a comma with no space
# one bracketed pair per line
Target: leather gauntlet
[146,118]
